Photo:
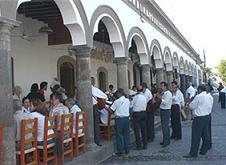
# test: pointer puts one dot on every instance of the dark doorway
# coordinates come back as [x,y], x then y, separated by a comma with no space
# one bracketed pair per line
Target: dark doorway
[67,78]
[102,81]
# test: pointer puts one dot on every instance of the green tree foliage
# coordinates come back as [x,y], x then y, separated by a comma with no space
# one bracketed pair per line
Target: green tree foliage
[222,70]
[208,72]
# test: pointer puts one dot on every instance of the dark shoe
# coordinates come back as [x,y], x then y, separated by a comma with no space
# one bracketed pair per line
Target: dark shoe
[161,143]
[144,147]
[127,152]
[150,140]
[138,148]
[176,138]
[164,145]
[99,144]
[118,153]
[172,137]
[202,153]
[189,156]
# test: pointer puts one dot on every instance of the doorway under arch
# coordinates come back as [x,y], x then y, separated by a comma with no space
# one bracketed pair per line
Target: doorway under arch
[67,78]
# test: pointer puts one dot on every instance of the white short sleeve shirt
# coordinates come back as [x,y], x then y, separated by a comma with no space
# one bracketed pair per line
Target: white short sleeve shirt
[121,107]
[147,94]
[139,103]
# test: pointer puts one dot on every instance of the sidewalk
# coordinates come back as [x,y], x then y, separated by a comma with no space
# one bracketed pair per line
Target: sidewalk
[173,154]
[96,154]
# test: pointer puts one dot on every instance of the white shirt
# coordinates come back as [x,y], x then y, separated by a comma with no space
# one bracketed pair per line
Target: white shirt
[211,102]
[223,90]
[147,94]
[74,110]
[190,91]
[97,93]
[202,104]
[15,97]
[41,125]
[178,98]
[121,107]
[166,100]
[139,103]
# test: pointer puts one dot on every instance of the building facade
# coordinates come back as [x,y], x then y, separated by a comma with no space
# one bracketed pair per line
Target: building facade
[123,43]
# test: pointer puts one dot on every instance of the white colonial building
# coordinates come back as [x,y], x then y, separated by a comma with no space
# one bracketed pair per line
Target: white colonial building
[120,42]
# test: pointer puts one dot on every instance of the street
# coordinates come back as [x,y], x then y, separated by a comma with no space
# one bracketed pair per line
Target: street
[173,154]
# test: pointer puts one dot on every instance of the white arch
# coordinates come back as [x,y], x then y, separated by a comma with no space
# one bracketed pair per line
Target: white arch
[141,42]
[76,25]
[176,62]
[115,30]
[156,52]
[182,66]
[168,59]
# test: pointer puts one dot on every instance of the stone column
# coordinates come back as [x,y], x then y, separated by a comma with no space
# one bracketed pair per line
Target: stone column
[84,93]
[146,75]
[6,108]
[160,76]
[122,73]
[182,83]
[169,76]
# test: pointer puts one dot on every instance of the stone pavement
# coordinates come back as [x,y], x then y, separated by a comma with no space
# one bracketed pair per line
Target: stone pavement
[173,154]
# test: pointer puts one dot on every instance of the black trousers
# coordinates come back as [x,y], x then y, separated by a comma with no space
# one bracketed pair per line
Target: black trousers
[150,126]
[200,129]
[176,121]
[96,124]
[222,99]
[210,131]
[140,119]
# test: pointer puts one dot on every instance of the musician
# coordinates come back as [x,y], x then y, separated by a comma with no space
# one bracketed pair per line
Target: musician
[201,107]
[165,106]
[101,97]
[178,102]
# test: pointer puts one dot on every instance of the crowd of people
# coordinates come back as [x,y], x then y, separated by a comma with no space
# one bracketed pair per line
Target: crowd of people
[35,105]
[139,105]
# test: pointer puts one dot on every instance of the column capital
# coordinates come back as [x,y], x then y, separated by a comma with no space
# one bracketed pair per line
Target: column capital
[81,50]
[121,60]
[146,67]
[8,23]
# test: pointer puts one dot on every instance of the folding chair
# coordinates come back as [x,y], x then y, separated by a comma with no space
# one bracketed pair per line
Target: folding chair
[29,128]
[47,151]
[80,133]
[107,131]
[66,131]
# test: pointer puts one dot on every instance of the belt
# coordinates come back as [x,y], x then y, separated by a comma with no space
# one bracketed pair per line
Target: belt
[120,117]
[140,111]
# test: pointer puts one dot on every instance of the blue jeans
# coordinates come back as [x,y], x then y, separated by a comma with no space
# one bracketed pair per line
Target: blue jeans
[122,134]
[165,116]
[150,126]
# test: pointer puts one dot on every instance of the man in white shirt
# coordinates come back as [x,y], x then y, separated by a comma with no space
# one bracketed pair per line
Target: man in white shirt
[96,93]
[190,92]
[120,108]
[139,104]
[165,106]
[201,107]
[177,103]
[150,114]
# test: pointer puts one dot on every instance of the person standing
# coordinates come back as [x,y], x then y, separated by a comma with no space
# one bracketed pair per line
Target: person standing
[150,114]
[220,87]
[223,95]
[210,117]
[96,93]
[120,108]
[43,88]
[139,104]
[201,107]
[177,103]
[190,92]
[165,106]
